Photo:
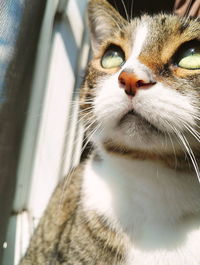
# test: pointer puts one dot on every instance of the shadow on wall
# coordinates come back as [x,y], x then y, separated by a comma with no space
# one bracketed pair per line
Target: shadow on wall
[15,90]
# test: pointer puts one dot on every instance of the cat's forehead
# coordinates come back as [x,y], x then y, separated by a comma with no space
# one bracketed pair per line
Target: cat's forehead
[161,35]
[153,40]
[154,37]
[161,27]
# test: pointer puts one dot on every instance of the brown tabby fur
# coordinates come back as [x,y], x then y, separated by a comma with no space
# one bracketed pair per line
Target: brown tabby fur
[157,56]
[67,235]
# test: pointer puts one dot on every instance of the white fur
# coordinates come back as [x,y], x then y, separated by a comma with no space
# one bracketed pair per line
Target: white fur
[139,39]
[163,106]
[156,207]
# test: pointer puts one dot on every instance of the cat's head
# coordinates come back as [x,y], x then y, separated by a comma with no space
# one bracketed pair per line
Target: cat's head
[142,88]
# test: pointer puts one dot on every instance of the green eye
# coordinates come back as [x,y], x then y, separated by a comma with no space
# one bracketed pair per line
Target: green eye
[191,61]
[113,57]
[188,55]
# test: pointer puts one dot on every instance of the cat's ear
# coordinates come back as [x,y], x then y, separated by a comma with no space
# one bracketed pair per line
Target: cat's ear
[103,21]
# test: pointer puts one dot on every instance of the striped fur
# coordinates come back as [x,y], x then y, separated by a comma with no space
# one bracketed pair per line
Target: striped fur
[141,181]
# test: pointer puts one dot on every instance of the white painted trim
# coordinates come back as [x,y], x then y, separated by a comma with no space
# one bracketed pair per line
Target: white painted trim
[45,158]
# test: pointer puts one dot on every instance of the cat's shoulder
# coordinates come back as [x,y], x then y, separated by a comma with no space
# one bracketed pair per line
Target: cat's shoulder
[57,216]
[67,194]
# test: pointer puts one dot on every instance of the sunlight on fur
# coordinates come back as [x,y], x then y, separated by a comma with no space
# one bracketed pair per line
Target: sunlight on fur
[136,199]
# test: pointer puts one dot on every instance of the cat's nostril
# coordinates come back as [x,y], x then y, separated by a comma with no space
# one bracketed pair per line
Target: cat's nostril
[122,82]
[140,83]
[131,83]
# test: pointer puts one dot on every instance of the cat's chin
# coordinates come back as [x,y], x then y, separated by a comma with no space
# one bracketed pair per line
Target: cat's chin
[138,132]
[130,136]
[132,120]
[134,132]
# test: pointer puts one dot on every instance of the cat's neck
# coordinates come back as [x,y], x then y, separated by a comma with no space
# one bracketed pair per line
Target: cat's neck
[134,193]
[177,160]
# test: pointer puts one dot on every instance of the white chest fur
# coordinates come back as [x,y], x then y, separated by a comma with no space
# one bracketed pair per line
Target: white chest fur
[157,208]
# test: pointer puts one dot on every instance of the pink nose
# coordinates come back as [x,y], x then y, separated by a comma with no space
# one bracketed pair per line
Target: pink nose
[131,83]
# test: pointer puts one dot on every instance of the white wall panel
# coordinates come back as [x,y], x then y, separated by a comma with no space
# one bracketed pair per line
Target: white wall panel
[53,137]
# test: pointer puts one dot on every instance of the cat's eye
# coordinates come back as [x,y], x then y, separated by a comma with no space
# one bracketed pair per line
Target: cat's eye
[189,56]
[113,57]
[191,60]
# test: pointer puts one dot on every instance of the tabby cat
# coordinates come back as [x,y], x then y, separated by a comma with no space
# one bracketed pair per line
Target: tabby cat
[136,200]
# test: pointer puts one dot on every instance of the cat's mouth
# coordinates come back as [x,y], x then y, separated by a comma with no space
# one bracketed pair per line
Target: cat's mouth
[142,122]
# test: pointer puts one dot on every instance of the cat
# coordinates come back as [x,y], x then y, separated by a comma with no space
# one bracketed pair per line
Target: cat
[136,199]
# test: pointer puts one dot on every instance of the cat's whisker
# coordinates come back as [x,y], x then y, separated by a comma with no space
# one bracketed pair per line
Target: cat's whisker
[193,132]
[165,139]
[80,116]
[85,120]
[189,152]
[85,110]
[125,10]
[192,156]
[88,139]
[90,125]
[120,28]
[81,102]
[91,135]
[174,150]
[70,173]
[176,133]
[79,121]
[132,6]
[116,6]
[188,127]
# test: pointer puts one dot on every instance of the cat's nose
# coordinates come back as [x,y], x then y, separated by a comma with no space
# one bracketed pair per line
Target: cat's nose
[130,82]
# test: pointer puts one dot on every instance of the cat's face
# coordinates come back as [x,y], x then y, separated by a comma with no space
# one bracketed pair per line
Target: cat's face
[143,83]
